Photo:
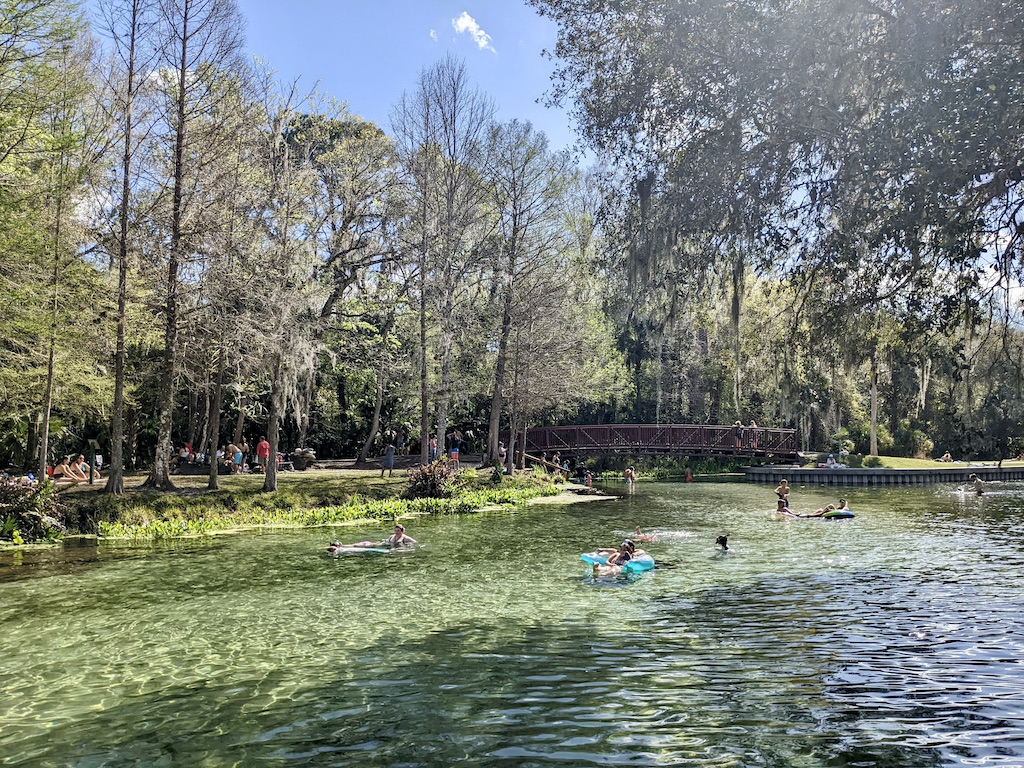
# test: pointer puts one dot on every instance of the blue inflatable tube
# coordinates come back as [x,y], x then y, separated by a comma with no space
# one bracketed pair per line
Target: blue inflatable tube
[638,564]
[838,514]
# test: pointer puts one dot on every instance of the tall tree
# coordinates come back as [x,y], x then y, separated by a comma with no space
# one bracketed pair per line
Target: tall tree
[128,24]
[200,37]
[441,131]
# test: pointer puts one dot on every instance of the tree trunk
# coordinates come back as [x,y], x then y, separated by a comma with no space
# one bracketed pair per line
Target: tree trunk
[160,477]
[494,423]
[213,483]
[446,383]
[240,421]
[115,473]
[375,424]
[424,399]
[307,402]
[874,404]
[273,426]
[737,304]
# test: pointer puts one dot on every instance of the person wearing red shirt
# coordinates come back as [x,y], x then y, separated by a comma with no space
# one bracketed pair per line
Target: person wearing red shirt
[263,453]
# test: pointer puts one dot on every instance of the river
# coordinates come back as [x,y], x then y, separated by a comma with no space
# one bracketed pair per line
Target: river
[893,639]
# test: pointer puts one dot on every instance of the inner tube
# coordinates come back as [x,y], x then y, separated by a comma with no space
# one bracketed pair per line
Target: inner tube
[354,550]
[838,514]
[638,564]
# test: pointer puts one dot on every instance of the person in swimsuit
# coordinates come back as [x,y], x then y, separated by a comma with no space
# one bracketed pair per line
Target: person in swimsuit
[722,542]
[979,484]
[399,539]
[64,472]
[782,510]
[783,491]
[616,559]
[820,512]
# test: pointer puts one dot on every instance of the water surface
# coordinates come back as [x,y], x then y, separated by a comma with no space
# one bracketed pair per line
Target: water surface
[893,639]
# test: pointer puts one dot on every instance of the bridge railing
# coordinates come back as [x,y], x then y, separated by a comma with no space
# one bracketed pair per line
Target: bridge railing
[643,439]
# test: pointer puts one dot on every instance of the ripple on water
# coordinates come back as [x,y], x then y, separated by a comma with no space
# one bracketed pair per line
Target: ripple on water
[890,640]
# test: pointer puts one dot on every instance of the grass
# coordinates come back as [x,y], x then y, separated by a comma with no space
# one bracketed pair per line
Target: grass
[904,462]
[303,499]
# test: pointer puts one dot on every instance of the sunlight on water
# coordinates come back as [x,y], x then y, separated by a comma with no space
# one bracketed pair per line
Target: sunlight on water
[893,639]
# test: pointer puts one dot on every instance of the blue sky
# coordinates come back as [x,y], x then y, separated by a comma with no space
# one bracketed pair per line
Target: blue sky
[368,52]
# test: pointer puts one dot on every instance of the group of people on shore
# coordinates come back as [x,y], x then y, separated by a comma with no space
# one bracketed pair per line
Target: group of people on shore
[232,459]
[74,471]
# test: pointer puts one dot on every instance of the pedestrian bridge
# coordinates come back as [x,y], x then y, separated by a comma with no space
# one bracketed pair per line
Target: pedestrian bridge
[662,440]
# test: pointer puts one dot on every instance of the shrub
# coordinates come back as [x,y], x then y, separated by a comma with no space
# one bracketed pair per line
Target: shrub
[30,514]
[872,461]
[433,481]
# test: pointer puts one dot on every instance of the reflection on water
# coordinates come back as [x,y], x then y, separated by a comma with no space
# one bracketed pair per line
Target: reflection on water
[890,640]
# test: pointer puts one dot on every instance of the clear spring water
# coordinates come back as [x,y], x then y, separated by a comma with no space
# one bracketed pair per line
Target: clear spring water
[890,640]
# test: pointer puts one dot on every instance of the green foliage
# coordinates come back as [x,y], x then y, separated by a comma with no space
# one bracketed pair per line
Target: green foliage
[440,480]
[31,514]
[157,521]
[871,462]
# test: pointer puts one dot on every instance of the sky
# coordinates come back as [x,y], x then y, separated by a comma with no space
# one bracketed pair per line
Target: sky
[368,52]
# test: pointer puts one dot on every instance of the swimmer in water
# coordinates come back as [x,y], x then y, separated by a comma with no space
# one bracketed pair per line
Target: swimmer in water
[979,484]
[641,536]
[399,539]
[781,511]
[722,542]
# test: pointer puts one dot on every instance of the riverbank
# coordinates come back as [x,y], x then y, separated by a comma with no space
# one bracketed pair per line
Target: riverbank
[311,498]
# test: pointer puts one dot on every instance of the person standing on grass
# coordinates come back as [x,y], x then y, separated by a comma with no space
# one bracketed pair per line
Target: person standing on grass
[389,460]
[263,454]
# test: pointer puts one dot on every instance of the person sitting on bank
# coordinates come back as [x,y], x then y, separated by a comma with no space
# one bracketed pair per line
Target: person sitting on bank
[83,468]
[65,473]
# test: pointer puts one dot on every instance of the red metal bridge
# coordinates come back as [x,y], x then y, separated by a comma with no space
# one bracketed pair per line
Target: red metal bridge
[662,440]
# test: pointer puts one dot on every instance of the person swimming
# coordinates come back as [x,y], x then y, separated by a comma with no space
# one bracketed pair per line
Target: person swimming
[722,542]
[641,536]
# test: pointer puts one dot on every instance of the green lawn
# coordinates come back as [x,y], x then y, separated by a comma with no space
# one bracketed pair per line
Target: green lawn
[902,462]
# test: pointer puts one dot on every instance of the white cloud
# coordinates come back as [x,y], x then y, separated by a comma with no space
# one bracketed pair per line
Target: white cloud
[433,35]
[466,23]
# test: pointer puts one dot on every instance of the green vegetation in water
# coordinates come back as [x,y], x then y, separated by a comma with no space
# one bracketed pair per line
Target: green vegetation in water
[189,516]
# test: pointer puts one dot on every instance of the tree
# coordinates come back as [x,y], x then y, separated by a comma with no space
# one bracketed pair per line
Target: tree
[128,25]
[441,135]
[202,37]
[528,185]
